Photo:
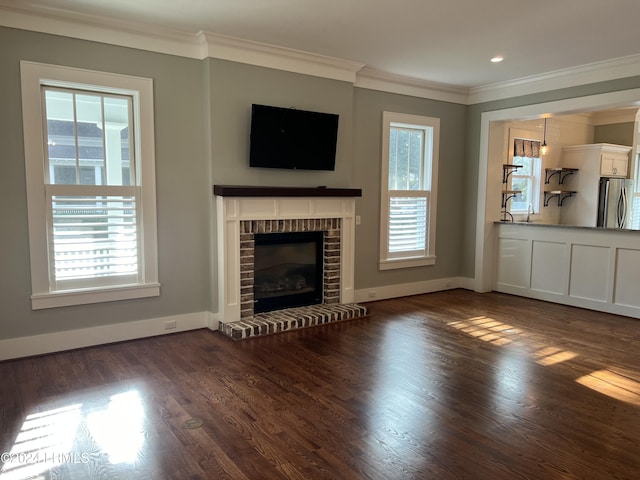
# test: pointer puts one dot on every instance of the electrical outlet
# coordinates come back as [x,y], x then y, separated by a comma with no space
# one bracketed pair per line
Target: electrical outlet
[170,324]
[358,219]
[372,294]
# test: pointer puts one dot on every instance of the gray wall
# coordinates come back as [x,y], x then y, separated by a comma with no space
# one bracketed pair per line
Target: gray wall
[234,87]
[183,188]
[616,133]
[369,105]
[202,114]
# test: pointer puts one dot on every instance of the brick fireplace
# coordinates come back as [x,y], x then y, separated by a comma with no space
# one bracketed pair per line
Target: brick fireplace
[243,212]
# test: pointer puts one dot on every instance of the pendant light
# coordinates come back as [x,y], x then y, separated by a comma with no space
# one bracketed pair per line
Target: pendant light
[544,148]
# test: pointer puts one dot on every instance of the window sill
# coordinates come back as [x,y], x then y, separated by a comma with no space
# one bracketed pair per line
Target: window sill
[391,264]
[41,301]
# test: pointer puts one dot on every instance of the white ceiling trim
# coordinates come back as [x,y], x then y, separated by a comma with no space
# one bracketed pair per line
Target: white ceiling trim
[569,77]
[97,29]
[387,82]
[272,56]
[206,44]
[199,46]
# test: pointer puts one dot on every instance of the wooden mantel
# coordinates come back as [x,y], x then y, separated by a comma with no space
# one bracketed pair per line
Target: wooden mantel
[264,191]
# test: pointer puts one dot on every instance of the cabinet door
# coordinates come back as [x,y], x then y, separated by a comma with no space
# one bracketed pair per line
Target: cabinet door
[620,166]
[613,165]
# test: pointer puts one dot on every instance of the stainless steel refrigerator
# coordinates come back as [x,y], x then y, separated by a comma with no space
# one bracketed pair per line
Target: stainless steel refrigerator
[613,202]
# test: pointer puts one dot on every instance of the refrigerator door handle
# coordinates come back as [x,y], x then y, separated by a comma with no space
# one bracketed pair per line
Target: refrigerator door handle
[622,208]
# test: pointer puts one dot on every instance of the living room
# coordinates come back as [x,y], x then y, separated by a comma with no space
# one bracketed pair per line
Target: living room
[203,88]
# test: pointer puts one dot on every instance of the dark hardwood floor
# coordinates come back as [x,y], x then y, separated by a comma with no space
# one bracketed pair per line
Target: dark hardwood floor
[451,385]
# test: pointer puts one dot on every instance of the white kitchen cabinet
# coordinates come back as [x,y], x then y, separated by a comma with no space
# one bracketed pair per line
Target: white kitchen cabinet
[614,164]
[595,268]
[593,161]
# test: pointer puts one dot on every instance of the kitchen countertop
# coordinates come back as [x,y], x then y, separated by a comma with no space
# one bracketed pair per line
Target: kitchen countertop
[582,227]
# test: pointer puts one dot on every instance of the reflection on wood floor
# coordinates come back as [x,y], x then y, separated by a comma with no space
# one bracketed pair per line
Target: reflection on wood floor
[450,385]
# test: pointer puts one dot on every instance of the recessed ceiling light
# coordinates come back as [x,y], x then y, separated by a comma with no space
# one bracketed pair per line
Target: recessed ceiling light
[497,59]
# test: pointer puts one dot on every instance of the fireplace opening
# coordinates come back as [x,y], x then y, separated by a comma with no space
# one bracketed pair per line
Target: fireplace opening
[287,270]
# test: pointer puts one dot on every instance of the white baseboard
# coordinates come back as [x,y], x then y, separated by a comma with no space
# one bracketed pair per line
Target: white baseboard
[415,288]
[467,283]
[86,337]
[580,302]
[119,332]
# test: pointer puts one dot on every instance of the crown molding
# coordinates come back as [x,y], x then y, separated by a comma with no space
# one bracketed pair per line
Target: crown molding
[201,45]
[98,29]
[389,82]
[569,77]
[272,56]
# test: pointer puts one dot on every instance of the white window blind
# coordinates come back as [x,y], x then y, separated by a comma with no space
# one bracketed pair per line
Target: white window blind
[408,219]
[93,239]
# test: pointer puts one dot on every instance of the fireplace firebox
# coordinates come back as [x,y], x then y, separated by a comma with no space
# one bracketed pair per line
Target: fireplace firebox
[288,270]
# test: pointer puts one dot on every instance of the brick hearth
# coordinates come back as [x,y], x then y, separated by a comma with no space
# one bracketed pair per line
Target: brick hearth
[291,319]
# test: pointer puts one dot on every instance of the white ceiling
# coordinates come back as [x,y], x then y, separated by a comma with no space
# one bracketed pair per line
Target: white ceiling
[445,41]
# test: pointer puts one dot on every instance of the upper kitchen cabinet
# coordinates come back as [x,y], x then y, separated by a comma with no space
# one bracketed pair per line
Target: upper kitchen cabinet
[614,161]
[618,127]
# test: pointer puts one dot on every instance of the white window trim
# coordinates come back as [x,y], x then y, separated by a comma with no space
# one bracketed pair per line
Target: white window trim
[388,261]
[538,179]
[33,75]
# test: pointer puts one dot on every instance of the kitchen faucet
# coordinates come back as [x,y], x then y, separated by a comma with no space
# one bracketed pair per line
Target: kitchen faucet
[530,212]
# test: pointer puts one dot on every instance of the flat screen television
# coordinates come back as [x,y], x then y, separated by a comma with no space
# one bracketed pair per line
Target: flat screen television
[292,139]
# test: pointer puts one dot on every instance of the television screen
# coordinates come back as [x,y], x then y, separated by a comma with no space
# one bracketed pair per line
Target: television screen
[293,139]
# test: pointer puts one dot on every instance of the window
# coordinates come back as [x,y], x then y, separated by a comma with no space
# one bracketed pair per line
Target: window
[89,160]
[526,179]
[408,192]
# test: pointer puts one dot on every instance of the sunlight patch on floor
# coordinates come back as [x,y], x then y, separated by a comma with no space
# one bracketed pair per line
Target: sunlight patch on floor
[118,428]
[44,441]
[605,381]
[49,439]
[551,355]
[613,385]
[493,331]
[485,329]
